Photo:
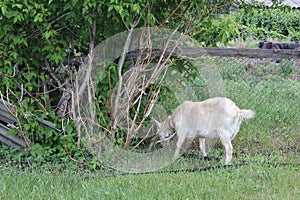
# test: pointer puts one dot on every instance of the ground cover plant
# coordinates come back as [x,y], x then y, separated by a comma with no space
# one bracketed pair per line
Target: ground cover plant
[265,162]
[254,181]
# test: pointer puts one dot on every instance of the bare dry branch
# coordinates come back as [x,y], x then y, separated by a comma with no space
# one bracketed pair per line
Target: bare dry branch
[120,66]
[52,74]
[86,85]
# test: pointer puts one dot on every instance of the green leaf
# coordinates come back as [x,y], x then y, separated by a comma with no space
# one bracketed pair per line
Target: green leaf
[20,6]
[102,75]
[38,18]
[27,127]
[4,9]
[110,8]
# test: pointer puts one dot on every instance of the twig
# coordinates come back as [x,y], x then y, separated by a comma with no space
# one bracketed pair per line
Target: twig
[166,139]
[173,12]
[15,114]
[14,72]
[142,140]
[87,80]
[120,66]
[90,61]
[52,74]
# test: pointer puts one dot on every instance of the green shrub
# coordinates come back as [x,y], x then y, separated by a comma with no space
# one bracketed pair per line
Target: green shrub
[269,23]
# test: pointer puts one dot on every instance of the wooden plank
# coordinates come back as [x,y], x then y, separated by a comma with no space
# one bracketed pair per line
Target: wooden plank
[7,118]
[10,140]
[220,52]
[240,52]
[5,115]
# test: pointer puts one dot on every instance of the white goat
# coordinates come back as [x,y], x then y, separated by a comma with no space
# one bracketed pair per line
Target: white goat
[215,117]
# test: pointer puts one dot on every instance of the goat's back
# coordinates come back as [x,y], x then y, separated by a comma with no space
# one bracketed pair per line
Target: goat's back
[216,106]
[210,114]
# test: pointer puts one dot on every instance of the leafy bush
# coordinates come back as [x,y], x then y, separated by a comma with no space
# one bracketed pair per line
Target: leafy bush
[38,37]
[221,29]
[281,23]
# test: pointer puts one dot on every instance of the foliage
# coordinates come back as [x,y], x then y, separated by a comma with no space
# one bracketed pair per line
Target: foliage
[221,29]
[38,37]
[265,23]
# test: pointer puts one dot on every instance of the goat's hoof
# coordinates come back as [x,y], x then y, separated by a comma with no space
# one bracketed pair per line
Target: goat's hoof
[207,158]
[174,158]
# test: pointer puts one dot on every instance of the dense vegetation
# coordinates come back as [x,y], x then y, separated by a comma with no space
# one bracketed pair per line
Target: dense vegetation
[38,37]
[269,24]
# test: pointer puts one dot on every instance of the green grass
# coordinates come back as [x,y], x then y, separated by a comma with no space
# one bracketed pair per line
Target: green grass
[273,136]
[247,182]
[269,90]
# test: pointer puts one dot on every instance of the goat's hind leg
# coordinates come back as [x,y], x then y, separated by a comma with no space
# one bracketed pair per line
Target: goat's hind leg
[226,141]
[202,147]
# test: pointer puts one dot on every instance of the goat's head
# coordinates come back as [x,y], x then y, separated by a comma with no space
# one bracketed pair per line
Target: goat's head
[165,131]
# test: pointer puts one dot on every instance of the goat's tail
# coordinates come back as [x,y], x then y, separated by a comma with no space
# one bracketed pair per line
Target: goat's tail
[247,114]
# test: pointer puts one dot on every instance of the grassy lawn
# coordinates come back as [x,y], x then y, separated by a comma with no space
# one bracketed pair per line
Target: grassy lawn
[247,182]
[272,136]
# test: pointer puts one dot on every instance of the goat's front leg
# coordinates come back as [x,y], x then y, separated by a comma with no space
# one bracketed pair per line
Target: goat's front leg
[181,138]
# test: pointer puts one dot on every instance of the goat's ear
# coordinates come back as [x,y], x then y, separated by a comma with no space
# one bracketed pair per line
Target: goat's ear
[158,124]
